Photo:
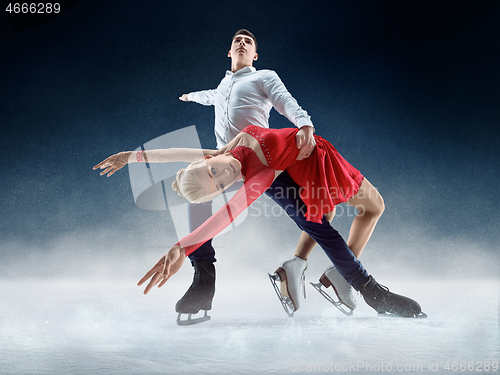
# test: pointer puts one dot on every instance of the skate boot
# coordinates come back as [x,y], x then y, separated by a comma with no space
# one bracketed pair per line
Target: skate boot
[345,301]
[199,295]
[292,283]
[390,304]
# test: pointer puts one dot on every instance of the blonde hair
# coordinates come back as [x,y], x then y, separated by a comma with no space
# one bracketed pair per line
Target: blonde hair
[187,183]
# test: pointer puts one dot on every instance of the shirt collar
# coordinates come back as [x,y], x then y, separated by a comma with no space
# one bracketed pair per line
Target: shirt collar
[246,69]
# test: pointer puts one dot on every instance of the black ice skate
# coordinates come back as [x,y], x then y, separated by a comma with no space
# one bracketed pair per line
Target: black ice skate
[199,295]
[390,304]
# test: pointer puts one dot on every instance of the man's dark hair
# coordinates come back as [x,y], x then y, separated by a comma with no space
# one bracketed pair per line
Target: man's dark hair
[247,33]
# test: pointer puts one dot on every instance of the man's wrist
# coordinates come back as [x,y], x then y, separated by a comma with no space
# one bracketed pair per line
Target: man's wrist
[308,128]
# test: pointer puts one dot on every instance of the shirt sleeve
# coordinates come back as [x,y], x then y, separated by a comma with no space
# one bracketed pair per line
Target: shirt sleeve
[205,97]
[283,101]
[244,197]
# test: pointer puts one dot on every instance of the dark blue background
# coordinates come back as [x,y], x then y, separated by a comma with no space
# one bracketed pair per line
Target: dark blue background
[408,91]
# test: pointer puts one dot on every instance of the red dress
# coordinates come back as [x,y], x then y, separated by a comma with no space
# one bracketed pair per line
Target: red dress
[325,179]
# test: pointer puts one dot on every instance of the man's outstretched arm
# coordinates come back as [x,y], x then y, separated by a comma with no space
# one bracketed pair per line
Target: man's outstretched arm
[205,97]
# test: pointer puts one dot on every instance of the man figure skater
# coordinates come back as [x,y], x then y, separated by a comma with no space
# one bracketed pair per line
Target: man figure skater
[244,97]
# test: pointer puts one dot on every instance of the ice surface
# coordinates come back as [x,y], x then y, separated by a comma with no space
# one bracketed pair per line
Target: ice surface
[75,326]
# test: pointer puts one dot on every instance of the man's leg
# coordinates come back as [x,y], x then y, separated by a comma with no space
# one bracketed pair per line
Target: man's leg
[200,294]
[306,244]
[197,215]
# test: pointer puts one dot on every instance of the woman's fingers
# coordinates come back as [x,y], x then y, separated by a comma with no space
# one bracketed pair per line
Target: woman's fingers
[105,171]
[166,266]
[163,269]
[113,170]
[151,272]
[172,264]
[156,273]
[163,282]
[103,164]
[161,276]
[114,163]
[108,162]
[167,274]
[99,165]
[153,282]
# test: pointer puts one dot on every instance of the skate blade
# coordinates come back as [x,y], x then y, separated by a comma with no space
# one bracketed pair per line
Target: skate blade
[190,321]
[421,315]
[285,301]
[338,304]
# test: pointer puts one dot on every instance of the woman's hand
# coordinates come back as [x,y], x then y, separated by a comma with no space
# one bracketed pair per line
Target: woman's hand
[114,163]
[184,98]
[166,267]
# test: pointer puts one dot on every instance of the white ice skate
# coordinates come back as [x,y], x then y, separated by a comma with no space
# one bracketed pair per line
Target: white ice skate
[292,282]
[346,302]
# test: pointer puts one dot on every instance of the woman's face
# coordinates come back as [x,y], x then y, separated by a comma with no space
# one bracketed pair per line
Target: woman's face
[220,173]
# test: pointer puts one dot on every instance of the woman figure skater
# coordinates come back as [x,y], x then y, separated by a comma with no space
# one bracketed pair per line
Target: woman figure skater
[258,156]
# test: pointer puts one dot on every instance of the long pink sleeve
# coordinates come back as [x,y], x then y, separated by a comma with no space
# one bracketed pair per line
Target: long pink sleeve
[253,188]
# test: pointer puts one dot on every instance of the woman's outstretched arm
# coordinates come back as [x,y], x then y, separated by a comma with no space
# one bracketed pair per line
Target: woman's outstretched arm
[118,161]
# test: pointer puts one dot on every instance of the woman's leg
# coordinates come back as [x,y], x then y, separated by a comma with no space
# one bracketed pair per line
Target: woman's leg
[285,192]
[306,244]
[370,205]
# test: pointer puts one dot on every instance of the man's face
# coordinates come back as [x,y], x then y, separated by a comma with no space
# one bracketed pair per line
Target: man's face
[243,50]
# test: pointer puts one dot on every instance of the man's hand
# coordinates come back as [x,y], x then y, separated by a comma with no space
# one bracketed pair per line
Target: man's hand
[184,98]
[166,267]
[305,142]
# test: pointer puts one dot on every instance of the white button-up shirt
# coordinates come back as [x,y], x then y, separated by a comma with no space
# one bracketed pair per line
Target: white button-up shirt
[246,98]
